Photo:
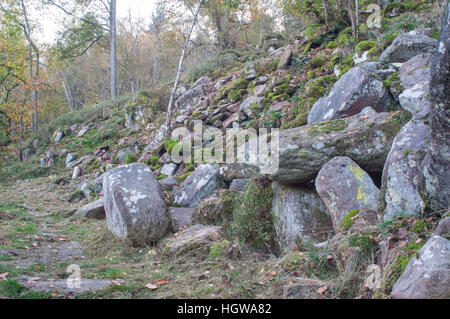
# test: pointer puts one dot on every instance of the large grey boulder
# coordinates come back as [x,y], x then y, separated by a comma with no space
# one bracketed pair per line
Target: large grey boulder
[193,96]
[400,174]
[428,274]
[95,210]
[285,60]
[344,186]
[134,205]
[436,175]
[354,91]
[300,214]
[408,45]
[366,138]
[416,100]
[415,70]
[198,185]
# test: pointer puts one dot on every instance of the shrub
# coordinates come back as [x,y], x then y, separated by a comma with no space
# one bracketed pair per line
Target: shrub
[130,158]
[317,62]
[332,45]
[365,46]
[170,144]
[253,219]
[218,249]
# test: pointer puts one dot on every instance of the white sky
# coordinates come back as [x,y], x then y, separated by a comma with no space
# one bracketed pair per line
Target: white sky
[51,19]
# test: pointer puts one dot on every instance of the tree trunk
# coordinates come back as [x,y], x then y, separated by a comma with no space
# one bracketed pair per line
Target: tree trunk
[325,11]
[180,67]
[113,35]
[357,20]
[348,6]
[33,76]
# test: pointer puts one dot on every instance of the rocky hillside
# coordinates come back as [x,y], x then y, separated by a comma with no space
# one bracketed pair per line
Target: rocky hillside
[357,209]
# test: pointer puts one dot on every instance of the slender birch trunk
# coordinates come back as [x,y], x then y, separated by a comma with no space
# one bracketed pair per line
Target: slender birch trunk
[180,66]
[113,35]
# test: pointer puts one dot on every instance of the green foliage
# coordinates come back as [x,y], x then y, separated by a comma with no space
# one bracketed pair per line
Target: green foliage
[365,46]
[170,144]
[219,249]
[160,177]
[317,62]
[394,7]
[24,170]
[181,178]
[332,45]
[253,219]
[314,91]
[347,221]
[11,288]
[364,242]
[130,158]
[78,38]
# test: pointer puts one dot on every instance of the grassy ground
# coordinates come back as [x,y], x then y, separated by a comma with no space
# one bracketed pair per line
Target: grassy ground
[36,241]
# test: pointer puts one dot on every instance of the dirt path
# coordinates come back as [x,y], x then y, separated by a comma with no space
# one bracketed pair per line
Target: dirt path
[36,247]
[40,247]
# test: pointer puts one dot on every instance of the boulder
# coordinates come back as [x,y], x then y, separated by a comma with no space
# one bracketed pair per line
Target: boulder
[261,80]
[193,238]
[48,160]
[122,154]
[168,183]
[134,206]
[401,170]
[169,169]
[181,217]
[408,45]
[300,214]
[192,97]
[230,172]
[95,210]
[416,100]
[77,172]
[198,185]
[230,120]
[245,105]
[366,138]
[435,176]
[344,186]
[428,274]
[239,184]
[70,160]
[285,60]
[443,228]
[415,70]
[84,130]
[58,136]
[354,91]
[259,89]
